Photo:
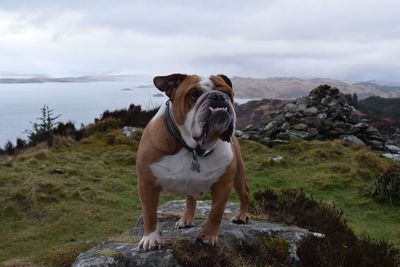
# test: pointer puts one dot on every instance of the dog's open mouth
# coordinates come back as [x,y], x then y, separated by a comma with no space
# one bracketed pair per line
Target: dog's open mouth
[216,122]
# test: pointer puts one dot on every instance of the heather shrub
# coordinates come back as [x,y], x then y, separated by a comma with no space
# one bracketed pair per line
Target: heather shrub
[386,187]
[339,245]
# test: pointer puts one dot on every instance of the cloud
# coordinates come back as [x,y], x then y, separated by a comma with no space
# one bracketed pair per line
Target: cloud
[339,39]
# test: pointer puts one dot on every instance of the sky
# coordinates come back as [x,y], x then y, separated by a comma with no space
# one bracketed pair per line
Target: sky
[342,39]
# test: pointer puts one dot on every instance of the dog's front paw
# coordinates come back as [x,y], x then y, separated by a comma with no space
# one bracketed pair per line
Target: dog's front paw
[240,219]
[207,239]
[151,241]
[184,222]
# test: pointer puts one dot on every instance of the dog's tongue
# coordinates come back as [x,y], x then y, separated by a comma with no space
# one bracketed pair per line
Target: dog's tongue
[202,140]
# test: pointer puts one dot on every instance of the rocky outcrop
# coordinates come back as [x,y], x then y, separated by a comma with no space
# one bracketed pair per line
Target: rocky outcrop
[257,111]
[231,236]
[323,114]
[129,131]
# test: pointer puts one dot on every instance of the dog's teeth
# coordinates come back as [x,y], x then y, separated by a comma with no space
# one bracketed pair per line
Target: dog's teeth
[218,109]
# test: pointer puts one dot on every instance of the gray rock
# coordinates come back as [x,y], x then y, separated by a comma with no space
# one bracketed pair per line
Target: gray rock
[376,136]
[238,133]
[338,124]
[249,127]
[129,131]
[326,100]
[371,130]
[322,115]
[231,236]
[283,136]
[123,254]
[310,111]
[391,156]
[202,208]
[312,131]
[289,115]
[285,126]
[302,101]
[348,140]
[301,107]
[376,144]
[300,127]
[270,125]
[272,142]
[327,122]
[290,107]
[393,149]
[300,134]
[245,136]
[277,159]
[280,118]
[332,103]
[57,171]
[361,125]
[312,121]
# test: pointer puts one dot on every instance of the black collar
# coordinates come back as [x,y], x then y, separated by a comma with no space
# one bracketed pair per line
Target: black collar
[175,133]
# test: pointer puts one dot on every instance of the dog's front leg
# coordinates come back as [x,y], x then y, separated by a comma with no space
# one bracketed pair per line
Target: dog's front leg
[151,239]
[220,192]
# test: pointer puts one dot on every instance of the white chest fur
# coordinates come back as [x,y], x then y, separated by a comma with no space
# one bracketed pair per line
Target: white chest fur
[175,175]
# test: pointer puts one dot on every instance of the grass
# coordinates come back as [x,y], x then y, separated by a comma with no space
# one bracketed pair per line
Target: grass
[330,173]
[48,214]
[57,202]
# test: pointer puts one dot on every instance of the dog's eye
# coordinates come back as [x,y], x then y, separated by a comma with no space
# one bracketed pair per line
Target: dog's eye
[194,95]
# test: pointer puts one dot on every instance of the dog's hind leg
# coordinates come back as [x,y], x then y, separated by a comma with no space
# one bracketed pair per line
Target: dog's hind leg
[241,188]
[188,216]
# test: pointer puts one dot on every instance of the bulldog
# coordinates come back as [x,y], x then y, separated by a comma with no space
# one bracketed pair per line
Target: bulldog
[188,148]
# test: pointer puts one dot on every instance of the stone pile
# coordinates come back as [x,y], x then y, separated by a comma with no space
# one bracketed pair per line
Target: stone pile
[323,114]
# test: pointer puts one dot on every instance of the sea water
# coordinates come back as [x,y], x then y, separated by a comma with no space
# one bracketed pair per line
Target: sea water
[79,102]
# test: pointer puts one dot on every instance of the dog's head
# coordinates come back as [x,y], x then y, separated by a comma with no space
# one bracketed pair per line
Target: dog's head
[202,107]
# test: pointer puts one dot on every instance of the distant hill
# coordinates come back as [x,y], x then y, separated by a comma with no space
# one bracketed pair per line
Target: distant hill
[290,88]
[275,88]
[257,112]
[88,78]
[387,107]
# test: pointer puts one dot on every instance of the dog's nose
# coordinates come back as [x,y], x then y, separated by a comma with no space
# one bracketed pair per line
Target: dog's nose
[217,98]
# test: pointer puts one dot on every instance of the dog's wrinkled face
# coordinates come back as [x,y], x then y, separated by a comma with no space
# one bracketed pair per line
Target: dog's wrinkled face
[202,107]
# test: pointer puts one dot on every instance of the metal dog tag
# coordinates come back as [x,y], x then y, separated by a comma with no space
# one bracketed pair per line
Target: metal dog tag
[195,166]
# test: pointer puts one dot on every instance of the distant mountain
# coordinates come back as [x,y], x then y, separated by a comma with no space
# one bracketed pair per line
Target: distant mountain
[277,88]
[88,78]
[290,88]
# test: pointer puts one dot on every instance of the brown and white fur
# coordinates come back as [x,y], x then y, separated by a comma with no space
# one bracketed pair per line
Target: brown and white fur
[202,110]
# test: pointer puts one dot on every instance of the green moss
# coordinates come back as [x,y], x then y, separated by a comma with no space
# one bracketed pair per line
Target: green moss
[108,252]
[193,254]
[124,238]
[277,248]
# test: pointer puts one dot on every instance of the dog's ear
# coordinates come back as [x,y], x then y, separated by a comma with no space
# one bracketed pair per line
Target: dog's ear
[226,79]
[168,83]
